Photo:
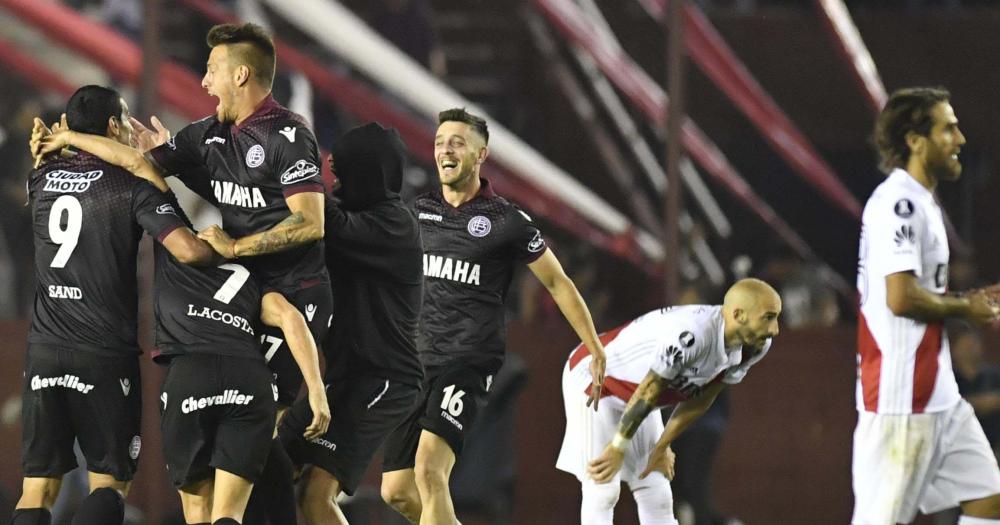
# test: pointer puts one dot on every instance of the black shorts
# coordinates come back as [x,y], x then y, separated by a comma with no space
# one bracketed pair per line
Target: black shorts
[76,394]
[316,305]
[216,412]
[365,410]
[452,398]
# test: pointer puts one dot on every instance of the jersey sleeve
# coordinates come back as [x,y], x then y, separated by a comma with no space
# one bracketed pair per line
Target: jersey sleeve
[181,153]
[735,374]
[894,232]
[527,241]
[677,352]
[157,212]
[294,159]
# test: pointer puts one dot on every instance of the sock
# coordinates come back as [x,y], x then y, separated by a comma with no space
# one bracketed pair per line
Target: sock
[104,506]
[969,520]
[598,506]
[228,521]
[654,500]
[273,496]
[31,517]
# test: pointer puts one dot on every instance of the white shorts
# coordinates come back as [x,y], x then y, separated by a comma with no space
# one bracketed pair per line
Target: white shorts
[930,462]
[588,432]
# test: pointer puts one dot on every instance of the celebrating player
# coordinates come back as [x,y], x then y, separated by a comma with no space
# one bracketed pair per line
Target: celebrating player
[374,255]
[917,444]
[472,240]
[681,356]
[82,371]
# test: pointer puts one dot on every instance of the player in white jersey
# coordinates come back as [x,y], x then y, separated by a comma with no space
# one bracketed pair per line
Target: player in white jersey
[681,356]
[917,444]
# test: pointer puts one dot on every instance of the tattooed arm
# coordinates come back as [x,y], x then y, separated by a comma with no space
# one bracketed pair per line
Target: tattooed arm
[303,226]
[642,402]
[661,458]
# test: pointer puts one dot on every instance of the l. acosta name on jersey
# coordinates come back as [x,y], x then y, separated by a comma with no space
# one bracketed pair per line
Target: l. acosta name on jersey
[227,192]
[453,269]
[220,316]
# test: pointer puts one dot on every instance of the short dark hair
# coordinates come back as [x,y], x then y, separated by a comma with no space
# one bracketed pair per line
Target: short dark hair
[252,46]
[478,124]
[90,107]
[908,109]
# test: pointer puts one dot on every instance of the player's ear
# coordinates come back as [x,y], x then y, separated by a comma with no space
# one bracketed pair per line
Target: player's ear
[114,127]
[916,142]
[483,153]
[740,315]
[242,74]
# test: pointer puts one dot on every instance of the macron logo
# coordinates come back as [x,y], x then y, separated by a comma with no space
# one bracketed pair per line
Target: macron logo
[430,216]
[288,132]
[210,140]
[229,397]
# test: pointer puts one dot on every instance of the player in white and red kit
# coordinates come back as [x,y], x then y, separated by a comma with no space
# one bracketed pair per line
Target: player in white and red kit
[681,356]
[917,444]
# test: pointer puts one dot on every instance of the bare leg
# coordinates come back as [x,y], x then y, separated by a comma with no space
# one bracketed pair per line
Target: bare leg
[196,499]
[399,491]
[39,493]
[230,497]
[318,502]
[434,462]
[98,481]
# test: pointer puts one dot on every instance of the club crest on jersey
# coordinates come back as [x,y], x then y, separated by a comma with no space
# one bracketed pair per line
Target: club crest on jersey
[134,447]
[301,170]
[255,156]
[903,208]
[537,243]
[905,234]
[62,181]
[479,226]
[686,339]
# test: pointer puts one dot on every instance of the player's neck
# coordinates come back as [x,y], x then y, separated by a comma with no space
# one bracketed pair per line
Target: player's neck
[920,174]
[460,194]
[730,334]
[248,101]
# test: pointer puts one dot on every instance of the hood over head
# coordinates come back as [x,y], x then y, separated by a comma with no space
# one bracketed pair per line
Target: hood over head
[369,161]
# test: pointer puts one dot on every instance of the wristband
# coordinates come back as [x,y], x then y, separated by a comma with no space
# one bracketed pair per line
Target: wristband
[619,442]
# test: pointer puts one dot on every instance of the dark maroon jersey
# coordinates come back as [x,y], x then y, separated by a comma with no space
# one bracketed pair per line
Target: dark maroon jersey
[88,217]
[251,169]
[469,257]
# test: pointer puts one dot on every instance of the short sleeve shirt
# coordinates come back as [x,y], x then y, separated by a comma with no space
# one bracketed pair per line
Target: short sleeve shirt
[88,217]
[470,253]
[251,169]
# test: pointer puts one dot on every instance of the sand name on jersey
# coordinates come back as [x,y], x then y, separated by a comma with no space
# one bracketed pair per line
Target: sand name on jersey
[227,192]
[220,316]
[65,292]
[229,397]
[452,269]
[62,181]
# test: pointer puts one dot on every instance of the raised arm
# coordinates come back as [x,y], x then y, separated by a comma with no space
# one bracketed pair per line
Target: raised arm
[550,273]
[304,225]
[278,312]
[106,149]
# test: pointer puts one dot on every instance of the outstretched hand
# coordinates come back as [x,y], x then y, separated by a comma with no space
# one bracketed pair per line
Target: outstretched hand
[145,139]
[42,142]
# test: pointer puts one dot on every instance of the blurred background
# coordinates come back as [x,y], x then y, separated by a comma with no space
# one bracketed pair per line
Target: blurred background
[779,97]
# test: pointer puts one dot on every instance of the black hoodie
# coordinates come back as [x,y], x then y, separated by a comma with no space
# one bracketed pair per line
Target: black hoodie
[375,258]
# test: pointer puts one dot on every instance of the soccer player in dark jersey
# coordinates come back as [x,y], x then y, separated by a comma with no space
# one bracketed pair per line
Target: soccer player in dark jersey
[216,455]
[263,173]
[472,239]
[218,402]
[373,251]
[82,369]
